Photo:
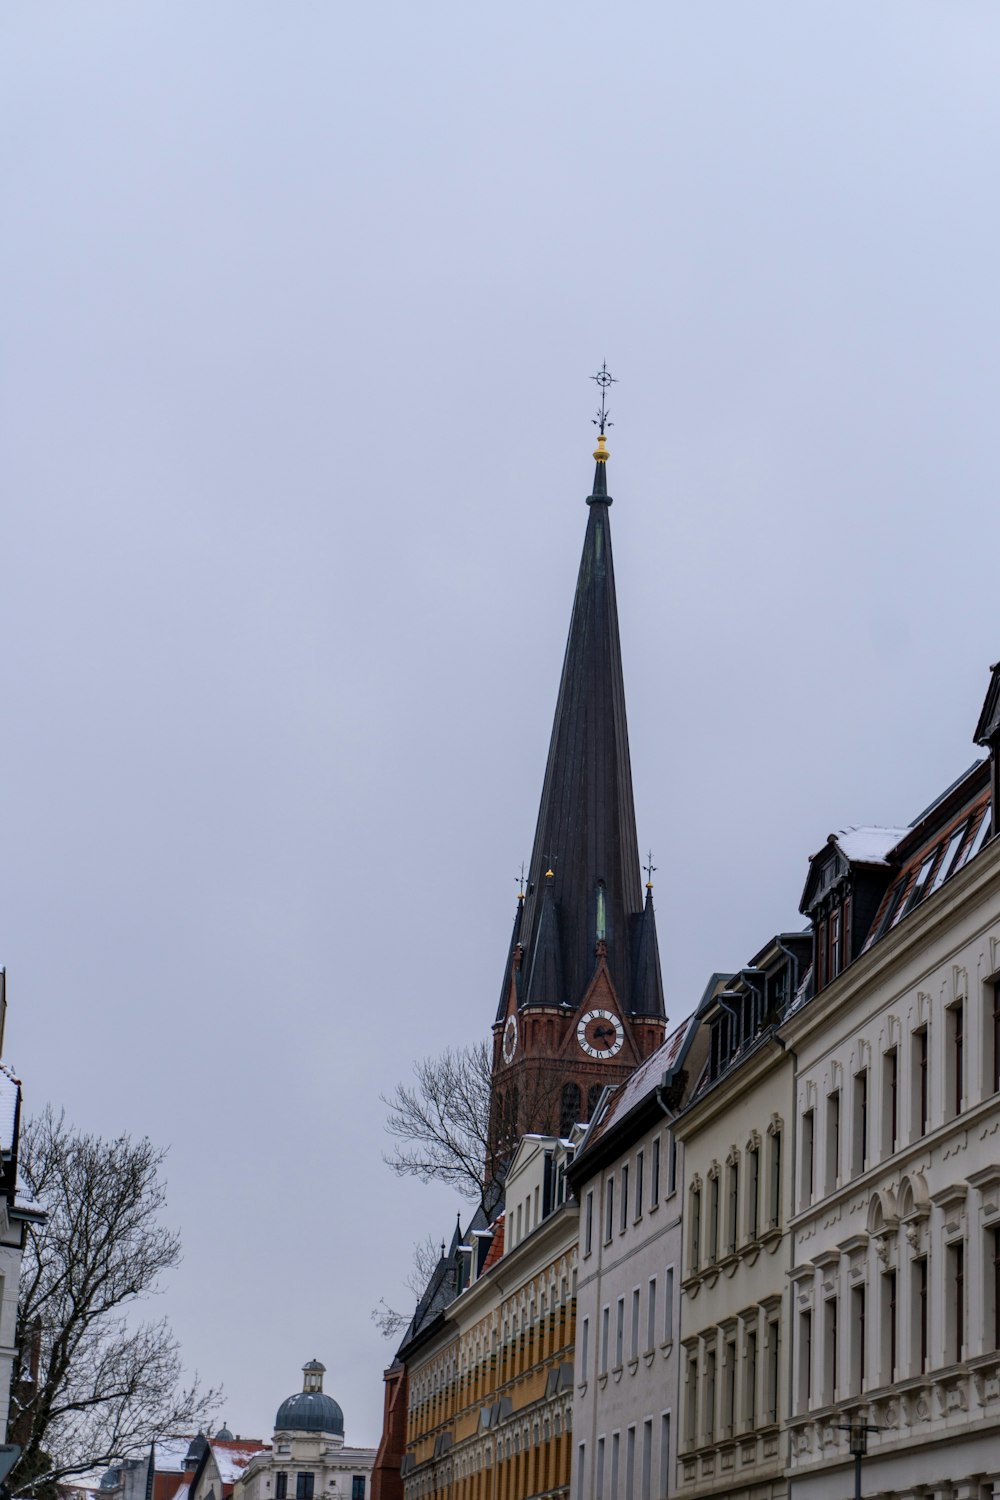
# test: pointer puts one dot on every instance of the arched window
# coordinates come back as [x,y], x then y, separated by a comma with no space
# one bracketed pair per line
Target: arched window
[593,1094]
[570,1111]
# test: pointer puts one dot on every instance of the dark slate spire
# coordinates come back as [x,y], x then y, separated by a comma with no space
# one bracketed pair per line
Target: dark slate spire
[586,821]
[545,977]
[647,988]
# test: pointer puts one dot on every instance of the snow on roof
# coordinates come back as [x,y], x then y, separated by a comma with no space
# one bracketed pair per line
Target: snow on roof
[232,1461]
[23,1201]
[868,846]
[171,1453]
[181,1492]
[10,1092]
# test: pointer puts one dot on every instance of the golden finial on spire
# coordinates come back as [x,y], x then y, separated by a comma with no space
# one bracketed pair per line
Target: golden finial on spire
[649,868]
[601,451]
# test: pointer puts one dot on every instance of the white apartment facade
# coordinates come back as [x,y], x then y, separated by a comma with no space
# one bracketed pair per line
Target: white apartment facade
[895,1276]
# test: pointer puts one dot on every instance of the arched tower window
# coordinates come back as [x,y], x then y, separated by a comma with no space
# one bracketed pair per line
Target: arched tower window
[593,1094]
[570,1110]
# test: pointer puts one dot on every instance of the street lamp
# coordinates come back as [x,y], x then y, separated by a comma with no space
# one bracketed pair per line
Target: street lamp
[858,1444]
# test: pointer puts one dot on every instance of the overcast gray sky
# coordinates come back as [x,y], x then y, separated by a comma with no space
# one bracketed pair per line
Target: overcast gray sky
[300,302]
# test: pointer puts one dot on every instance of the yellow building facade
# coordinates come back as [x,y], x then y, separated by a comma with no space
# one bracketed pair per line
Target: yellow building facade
[490,1379]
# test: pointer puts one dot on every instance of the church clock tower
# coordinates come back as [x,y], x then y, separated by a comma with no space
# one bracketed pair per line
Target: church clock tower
[582,998]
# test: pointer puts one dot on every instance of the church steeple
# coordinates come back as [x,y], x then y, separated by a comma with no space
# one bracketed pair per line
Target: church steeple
[586,831]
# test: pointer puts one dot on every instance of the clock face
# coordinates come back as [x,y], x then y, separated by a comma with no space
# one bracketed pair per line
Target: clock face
[510,1039]
[600,1033]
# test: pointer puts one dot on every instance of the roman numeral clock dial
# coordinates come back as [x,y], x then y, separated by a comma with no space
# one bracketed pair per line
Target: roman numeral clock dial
[600,1033]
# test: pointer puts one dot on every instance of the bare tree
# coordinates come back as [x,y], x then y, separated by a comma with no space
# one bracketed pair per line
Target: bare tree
[90,1383]
[442,1123]
[426,1254]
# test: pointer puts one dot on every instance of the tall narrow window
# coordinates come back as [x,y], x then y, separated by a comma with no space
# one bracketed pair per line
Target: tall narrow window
[599,1470]
[750,1403]
[830,1351]
[615,1446]
[956,1277]
[695,1241]
[605,1325]
[581,1470]
[357,1487]
[835,928]
[620,1332]
[775,1193]
[640,1163]
[304,1484]
[710,1394]
[994,989]
[773,1367]
[584,1347]
[733,1224]
[691,1410]
[623,1222]
[634,1351]
[570,1110]
[808,1163]
[713,1217]
[280,1486]
[920,1099]
[665,1454]
[832,1140]
[609,1208]
[651,1314]
[857,1340]
[753,1192]
[956,1026]
[647,1459]
[671,1163]
[654,1174]
[860,1122]
[890,1322]
[630,1464]
[890,1101]
[588,1224]
[918,1281]
[993,1272]
[668,1306]
[729,1387]
[805,1359]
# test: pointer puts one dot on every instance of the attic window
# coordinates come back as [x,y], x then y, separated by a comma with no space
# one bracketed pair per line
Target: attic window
[948,858]
[919,886]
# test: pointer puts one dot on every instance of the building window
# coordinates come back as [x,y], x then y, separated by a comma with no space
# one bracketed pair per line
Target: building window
[691,1414]
[835,929]
[993,1005]
[635,1324]
[857,1340]
[623,1223]
[620,1333]
[640,1165]
[919,1116]
[710,1395]
[304,1486]
[890,1320]
[695,1242]
[671,1162]
[713,1218]
[808,1154]
[890,1101]
[615,1452]
[860,1122]
[993,1285]
[920,1310]
[665,1454]
[593,1098]
[630,1464]
[668,1306]
[357,1487]
[956,1037]
[280,1486]
[830,1350]
[956,1293]
[729,1387]
[733,1194]
[605,1324]
[753,1192]
[651,1314]
[584,1347]
[832,1140]
[805,1360]
[581,1471]
[599,1469]
[609,1209]
[773,1368]
[654,1174]
[775,1193]
[750,1404]
[588,1224]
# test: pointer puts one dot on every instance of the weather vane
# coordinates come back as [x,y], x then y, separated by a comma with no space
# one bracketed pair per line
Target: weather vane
[520,883]
[650,870]
[604,380]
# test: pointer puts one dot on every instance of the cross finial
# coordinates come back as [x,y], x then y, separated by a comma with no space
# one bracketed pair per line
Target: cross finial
[520,883]
[604,380]
[650,870]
